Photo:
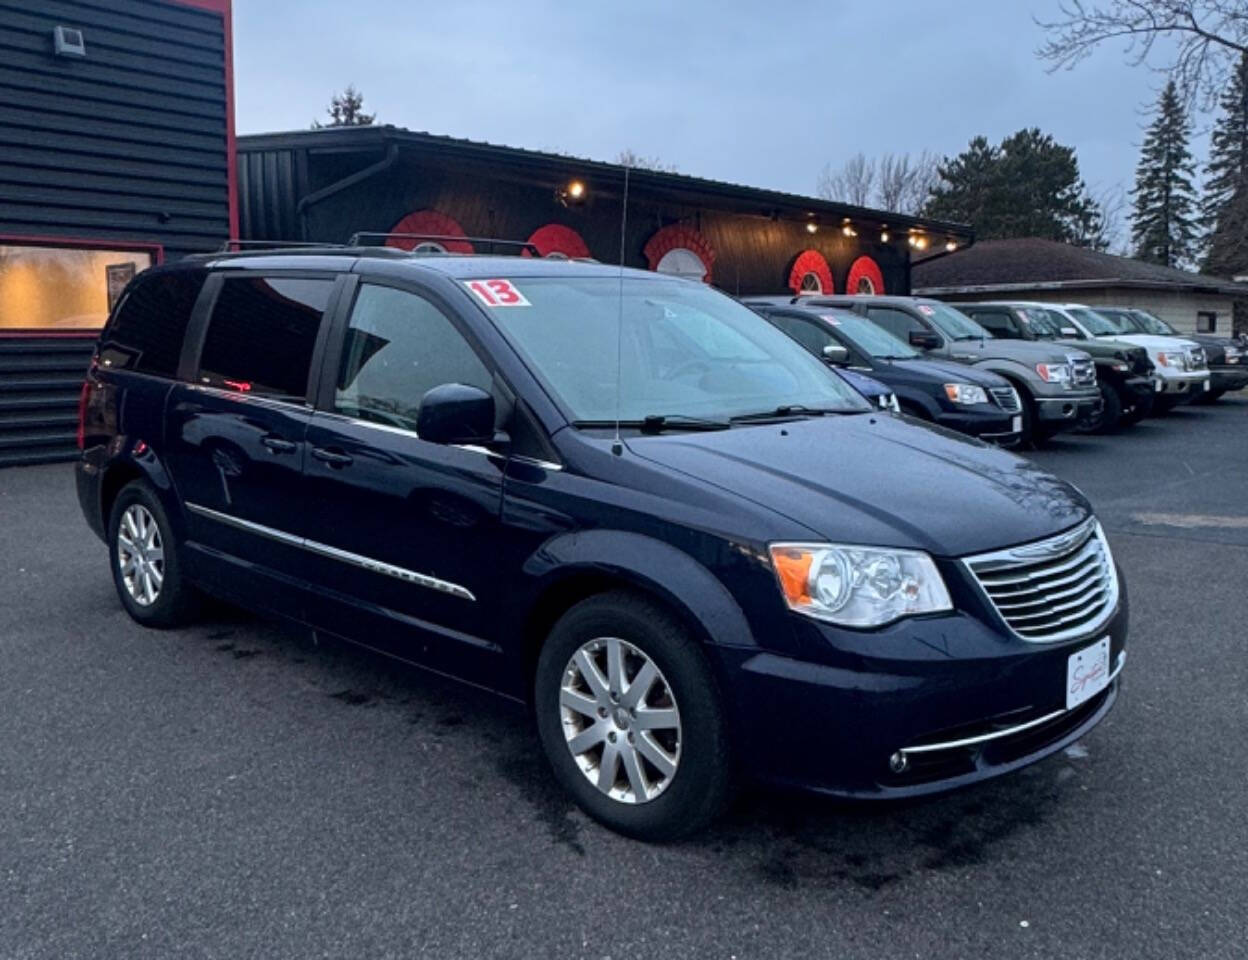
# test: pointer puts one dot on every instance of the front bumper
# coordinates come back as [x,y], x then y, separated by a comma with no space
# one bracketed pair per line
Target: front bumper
[992,424]
[833,727]
[1176,384]
[1066,412]
[1229,377]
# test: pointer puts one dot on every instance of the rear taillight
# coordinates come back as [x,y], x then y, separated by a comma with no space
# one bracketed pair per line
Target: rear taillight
[82,413]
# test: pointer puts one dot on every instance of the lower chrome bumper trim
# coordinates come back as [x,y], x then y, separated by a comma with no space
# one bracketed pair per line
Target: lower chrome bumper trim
[1009,731]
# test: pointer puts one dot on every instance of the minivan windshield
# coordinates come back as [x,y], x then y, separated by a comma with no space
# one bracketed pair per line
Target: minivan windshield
[1095,323]
[954,324]
[662,350]
[872,340]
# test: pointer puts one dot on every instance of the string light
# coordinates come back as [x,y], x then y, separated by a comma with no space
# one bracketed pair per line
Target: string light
[951,246]
[883,236]
[812,227]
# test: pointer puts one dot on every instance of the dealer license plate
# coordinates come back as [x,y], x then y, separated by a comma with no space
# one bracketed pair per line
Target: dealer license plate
[1087,673]
[1016,425]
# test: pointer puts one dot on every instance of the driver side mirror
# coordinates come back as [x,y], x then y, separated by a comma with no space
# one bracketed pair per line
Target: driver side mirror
[456,413]
[925,339]
[1069,332]
[835,355]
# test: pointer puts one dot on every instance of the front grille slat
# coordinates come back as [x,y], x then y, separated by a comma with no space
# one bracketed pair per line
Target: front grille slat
[1007,399]
[1044,598]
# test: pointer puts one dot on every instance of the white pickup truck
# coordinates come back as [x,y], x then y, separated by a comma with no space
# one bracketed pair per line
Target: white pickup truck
[1180,370]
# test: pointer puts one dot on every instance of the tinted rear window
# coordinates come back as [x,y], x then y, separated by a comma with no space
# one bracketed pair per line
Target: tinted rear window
[150,324]
[262,333]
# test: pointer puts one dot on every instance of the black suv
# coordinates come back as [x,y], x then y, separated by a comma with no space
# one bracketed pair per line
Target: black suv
[976,402]
[621,497]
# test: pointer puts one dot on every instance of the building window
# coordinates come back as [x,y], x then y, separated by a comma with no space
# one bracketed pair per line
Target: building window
[1206,321]
[428,246]
[682,263]
[63,288]
[810,284]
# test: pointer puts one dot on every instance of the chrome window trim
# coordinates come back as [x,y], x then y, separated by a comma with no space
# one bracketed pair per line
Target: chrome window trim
[334,553]
[1051,548]
[258,399]
[470,447]
[1010,731]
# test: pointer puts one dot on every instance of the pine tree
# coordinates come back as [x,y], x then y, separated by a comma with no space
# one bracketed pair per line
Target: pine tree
[1164,227]
[1027,186]
[1224,208]
[346,109]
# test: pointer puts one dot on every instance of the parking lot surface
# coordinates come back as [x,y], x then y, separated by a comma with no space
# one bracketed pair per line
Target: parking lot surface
[236,790]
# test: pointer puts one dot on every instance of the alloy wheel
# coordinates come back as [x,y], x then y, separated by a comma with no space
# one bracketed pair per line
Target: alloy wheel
[620,720]
[140,554]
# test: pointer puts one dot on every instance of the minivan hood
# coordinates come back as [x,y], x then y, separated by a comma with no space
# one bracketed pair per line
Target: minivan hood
[1029,352]
[878,479]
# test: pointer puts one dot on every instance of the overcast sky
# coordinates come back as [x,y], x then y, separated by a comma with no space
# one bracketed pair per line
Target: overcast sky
[756,93]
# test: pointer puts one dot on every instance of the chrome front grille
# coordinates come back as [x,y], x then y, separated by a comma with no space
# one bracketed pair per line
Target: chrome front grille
[1082,371]
[1007,398]
[1054,589]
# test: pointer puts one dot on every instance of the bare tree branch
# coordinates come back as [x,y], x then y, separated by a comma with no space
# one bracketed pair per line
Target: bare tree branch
[1205,39]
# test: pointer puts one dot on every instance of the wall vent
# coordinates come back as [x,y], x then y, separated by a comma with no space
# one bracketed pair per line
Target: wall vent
[69,42]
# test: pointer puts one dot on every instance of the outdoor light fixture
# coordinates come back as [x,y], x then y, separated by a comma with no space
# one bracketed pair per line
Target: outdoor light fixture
[812,227]
[951,246]
[847,228]
[574,192]
[918,241]
[883,236]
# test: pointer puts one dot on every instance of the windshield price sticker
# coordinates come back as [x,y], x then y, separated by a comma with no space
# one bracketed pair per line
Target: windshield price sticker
[830,318]
[497,293]
[925,310]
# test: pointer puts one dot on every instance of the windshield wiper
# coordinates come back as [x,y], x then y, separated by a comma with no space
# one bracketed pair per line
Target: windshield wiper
[656,422]
[785,411]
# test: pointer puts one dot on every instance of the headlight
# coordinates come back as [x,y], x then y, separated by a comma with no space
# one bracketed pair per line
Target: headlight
[1171,359]
[965,393]
[858,586]
[1053,372]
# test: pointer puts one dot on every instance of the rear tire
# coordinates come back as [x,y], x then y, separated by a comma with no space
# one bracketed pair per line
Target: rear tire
[583,727]
[145,560]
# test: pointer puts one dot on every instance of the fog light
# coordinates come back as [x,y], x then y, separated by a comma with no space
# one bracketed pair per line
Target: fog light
[898,762]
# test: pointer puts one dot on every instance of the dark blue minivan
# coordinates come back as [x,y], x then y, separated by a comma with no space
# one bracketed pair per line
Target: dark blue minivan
[620,497]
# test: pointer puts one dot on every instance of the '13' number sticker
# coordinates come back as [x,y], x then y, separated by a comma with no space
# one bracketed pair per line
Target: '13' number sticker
[497,293]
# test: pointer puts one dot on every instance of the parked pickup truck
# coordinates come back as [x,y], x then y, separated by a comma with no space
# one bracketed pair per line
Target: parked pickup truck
[1224,355]
[1057,385]
[1180,371]
[1123,370]
[951,394]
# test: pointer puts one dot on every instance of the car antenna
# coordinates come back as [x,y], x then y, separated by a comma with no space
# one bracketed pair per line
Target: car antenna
[617,445]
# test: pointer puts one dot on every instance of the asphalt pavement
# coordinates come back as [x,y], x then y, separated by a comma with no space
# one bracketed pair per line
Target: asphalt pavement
[235,790]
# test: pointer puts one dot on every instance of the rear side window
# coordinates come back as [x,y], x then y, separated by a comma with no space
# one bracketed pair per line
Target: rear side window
[261,335]
[998,321]
[808,334]
[150,324]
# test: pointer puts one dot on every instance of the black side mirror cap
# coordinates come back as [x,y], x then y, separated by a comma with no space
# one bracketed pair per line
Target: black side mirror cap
[835,354]
[456,413]
[925,339]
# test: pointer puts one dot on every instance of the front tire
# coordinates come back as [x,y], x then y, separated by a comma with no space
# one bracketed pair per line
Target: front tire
[144,558]
[631,720]
[1111,410]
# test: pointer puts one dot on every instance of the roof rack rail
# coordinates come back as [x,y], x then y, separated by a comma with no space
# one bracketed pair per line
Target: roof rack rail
[525,246]
[231,245]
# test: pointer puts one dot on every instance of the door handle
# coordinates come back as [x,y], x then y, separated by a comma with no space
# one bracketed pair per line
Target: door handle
[279,445]
[332,457]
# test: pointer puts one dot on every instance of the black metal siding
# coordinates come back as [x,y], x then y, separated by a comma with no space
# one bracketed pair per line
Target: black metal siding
[128,143]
